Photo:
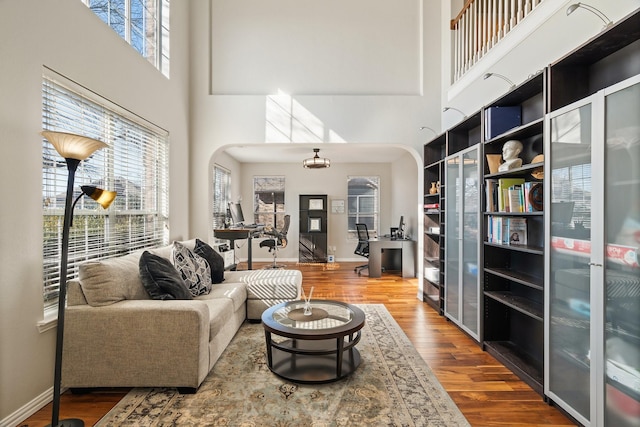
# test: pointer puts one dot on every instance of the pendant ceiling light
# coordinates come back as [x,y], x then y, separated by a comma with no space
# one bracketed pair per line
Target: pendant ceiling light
[316,162]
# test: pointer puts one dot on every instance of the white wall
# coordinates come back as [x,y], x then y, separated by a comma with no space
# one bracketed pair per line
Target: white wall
[330,47]
[68,38]
[398,194]
[223,114]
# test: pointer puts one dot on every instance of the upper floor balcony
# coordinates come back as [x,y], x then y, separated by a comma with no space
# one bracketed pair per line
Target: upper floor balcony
[480,25]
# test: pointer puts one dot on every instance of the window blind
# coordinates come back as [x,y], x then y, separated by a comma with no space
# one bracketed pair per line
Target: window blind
[221,195]
[136,165]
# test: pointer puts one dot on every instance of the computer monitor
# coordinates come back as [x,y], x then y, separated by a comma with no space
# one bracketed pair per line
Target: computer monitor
[235,209]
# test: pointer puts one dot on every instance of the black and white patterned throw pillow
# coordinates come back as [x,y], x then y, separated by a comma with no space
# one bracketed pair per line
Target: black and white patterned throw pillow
[194,269]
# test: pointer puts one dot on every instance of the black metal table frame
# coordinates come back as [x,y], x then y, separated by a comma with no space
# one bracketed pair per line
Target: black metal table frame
[314,343]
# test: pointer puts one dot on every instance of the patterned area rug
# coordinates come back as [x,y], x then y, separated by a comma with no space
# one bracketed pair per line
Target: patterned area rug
[392,387]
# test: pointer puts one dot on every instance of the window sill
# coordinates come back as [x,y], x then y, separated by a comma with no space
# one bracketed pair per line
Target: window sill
[50,320]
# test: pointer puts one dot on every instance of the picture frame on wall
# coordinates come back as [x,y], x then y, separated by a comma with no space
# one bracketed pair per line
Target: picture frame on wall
[337,206]
[316,204]
[315,224]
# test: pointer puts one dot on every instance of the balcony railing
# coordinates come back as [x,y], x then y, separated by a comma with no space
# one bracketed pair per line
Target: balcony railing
[480,25]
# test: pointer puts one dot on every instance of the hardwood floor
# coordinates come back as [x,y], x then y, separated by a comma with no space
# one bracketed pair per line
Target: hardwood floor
[486,392]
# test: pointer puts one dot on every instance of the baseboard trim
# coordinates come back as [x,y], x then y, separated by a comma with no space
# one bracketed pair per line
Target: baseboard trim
[29,409]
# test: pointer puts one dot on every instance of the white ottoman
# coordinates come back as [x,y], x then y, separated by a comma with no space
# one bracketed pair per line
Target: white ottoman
[266,288]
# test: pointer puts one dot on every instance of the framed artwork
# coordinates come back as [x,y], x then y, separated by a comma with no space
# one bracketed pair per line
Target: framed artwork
[315,224]
[316,204]
[337,206]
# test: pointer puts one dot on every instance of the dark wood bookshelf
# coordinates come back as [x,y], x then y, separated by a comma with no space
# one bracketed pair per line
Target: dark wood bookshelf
[527,369]
[525,279]
[517,302]
[434,153]
[601,61]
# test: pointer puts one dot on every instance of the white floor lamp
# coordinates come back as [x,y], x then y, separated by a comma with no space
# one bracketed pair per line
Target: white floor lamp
[74,149]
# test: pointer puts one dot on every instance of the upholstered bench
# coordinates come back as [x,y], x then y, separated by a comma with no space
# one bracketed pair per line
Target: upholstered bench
[266,288]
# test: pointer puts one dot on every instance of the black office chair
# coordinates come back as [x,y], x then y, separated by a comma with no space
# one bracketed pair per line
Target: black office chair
[363,246]
[277,241]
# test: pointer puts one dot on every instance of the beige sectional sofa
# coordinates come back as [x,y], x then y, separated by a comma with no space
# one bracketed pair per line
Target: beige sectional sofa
[117,336]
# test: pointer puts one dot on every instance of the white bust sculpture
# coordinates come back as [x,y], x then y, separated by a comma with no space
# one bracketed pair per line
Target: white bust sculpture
[510,151]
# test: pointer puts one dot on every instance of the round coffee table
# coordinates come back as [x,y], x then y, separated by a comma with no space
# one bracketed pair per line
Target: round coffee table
[316,348]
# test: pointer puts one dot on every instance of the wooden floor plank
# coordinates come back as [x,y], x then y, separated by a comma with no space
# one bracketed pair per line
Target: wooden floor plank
[486,392]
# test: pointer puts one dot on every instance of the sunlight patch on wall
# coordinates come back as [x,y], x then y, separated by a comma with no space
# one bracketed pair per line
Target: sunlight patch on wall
[288,121]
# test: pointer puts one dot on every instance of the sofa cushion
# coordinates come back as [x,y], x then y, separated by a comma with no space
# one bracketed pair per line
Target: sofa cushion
[193,268]
[236,292]
[215,260]
[111,280]
[161,279]
[220,313]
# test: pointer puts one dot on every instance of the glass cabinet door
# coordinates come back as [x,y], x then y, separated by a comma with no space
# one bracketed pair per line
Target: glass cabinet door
[453,192]
[593,354]
[470,242]
[569,270]
[621,270]
[462,239]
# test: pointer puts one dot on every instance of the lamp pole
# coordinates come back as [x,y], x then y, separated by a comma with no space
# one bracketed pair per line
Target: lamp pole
[74,149]
[72,165]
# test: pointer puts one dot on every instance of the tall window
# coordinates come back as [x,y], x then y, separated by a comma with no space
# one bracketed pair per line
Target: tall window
[221,195]
[144,24]
[268,192]
[363,202]
[136,165]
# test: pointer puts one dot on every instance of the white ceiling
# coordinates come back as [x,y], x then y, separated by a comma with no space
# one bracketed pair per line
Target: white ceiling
[296,153]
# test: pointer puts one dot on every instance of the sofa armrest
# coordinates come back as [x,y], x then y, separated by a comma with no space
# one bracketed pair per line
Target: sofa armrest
[136,343]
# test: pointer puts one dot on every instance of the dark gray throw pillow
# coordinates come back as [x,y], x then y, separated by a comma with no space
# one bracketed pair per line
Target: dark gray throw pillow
[161,279]
[215,260]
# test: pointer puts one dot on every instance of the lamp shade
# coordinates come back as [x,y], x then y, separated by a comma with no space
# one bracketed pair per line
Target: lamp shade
[71,146]
[103,197]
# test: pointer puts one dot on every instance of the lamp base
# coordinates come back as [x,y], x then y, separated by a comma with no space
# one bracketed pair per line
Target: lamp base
[69,422]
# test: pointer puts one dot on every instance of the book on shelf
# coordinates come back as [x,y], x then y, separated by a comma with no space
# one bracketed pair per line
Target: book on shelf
[515,201]
[496,229]
[517,229]
[509,195]
[491,190]
[491,232]
[503,191]
[500,119]
[506,231]
[431,205]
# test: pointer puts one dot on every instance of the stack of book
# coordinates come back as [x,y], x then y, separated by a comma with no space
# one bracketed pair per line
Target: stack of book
[508,195]
[431,207]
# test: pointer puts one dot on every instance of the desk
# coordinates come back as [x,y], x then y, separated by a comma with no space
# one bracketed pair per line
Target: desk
[376,246]
[233,234]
